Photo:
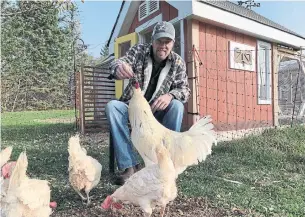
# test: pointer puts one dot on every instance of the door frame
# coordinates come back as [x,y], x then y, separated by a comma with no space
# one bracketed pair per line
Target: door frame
[133,38]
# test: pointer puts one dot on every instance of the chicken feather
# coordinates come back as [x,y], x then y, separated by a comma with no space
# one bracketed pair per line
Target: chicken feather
[186,148]
[29,187]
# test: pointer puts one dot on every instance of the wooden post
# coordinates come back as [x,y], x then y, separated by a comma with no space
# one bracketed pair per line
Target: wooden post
[81,100]
[275,82]
[193,35]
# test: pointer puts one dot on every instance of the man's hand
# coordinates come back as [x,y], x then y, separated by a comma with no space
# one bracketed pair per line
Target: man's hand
[161,103]
[124,71]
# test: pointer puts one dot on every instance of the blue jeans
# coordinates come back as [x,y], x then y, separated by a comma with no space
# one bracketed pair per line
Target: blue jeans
[117,116]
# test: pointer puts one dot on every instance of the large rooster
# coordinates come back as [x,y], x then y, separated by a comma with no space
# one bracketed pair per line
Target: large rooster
[185,148]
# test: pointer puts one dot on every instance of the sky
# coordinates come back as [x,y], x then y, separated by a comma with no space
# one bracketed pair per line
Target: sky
[98,17]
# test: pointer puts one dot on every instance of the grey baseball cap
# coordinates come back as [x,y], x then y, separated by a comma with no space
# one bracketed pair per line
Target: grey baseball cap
[163,30]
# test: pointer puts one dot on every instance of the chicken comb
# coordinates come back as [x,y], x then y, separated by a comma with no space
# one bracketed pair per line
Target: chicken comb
[53,205]
[137,85]
[135,82]
[6,169]
[107,203]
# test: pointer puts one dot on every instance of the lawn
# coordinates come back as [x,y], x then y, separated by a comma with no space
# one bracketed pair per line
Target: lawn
[255,176]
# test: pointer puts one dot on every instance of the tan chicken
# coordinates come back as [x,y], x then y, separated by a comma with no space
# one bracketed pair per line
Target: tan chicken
[26,197]
[84,171]
[185,148]
[153,185]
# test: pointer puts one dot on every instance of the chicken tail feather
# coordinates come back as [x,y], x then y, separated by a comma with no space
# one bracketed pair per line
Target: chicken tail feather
[204,128]
[196,146]
[74,148]
[203,136]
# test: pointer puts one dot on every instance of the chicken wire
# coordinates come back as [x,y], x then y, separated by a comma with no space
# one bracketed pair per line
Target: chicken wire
[248,96]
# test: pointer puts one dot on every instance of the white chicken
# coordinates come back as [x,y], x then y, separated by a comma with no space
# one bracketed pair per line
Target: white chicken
[185,148]
[84,171]
[5,155]
[26,197]
[151,186]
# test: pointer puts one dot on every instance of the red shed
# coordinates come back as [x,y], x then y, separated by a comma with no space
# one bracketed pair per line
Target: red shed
[231,52]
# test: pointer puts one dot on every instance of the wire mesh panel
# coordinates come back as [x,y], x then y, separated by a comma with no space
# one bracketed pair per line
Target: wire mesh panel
[247,89]
[291,88]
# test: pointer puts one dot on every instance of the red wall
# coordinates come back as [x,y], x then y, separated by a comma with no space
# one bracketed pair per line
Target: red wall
[168,13]
[229,95]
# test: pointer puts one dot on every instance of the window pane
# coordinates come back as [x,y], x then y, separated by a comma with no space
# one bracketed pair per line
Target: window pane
[147,37]
[263,75]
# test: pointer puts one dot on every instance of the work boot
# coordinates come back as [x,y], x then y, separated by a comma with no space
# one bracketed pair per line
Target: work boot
[137,167]
[120,180]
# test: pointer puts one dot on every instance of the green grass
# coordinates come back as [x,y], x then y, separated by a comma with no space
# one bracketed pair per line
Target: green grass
[270,167]
[20,119]
[46,145]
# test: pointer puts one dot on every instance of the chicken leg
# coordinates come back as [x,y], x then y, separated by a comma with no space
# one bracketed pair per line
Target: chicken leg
[146,208]
[162,211]
[79,193]
[88,198]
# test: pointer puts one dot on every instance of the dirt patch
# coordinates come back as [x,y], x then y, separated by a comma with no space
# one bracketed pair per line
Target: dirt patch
[181,206]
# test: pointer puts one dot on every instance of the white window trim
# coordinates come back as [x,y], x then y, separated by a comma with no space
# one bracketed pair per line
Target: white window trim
[146,2]
[233,64]
[261,45]
[182,38]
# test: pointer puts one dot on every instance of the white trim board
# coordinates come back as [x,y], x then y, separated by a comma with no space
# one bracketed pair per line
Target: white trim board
[182,38]
[267,46]
[121,26]
[242,47]
[237,23]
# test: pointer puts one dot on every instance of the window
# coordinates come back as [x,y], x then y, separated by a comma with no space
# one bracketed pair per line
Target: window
[147,37]
[264,73]
[147,8]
